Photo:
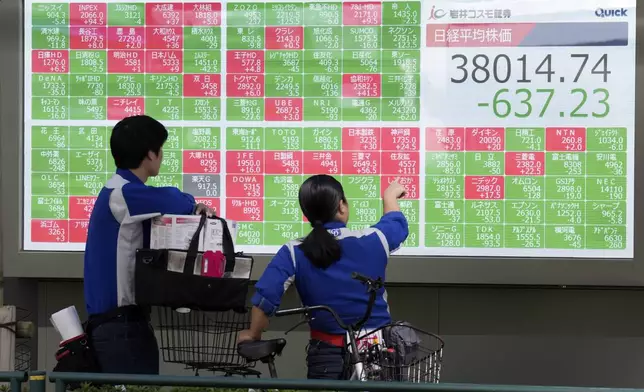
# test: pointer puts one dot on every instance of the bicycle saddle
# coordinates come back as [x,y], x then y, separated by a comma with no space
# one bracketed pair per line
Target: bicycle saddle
[261,349]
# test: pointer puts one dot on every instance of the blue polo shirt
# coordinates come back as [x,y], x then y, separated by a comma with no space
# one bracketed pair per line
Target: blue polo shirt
[118,226]
[364,251]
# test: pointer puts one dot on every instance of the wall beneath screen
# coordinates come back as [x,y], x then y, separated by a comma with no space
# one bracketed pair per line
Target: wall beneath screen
[493,335]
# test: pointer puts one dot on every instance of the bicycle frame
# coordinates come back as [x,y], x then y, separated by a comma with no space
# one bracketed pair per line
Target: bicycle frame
[372,288]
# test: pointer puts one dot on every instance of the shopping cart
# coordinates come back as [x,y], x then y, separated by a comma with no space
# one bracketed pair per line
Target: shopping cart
[204,340]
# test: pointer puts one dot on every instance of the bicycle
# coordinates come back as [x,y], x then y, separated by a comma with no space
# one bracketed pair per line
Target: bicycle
[370,356]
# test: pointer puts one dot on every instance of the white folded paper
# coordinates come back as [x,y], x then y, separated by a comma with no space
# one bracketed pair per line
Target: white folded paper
[176,231]
[67,323]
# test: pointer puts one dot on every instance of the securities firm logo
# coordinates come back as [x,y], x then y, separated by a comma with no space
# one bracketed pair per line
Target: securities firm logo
[611,13]
[435,14]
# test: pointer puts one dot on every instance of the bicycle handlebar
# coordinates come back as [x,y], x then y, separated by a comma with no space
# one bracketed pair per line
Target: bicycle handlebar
[372,289]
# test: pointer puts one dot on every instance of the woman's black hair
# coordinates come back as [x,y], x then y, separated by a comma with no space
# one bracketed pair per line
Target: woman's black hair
[320,198]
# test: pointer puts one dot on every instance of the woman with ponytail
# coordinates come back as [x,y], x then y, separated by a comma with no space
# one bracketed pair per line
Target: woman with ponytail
[321,265]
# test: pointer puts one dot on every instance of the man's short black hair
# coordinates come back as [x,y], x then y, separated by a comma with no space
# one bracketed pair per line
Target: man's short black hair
[133,138]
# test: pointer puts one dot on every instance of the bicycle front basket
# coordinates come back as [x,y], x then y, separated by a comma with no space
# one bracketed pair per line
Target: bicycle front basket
[407,354]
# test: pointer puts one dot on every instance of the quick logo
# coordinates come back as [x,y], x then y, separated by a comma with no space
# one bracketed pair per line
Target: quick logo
[611,13]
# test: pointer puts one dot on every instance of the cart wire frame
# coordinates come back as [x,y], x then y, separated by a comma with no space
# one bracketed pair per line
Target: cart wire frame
[204,340]
[420,361]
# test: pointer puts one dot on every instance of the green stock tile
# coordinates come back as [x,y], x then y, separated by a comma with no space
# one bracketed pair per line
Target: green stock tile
[524,212]
[202,37]
[49,184]
[525,236]
[50,108]
[565,236]
[484,236]
[281,139]
[284,85]
[562,212]
[245,14]
[163,85]
[202,109]
[50,85]
[444,211]
[606,188]
[361,61]
[246,38]
[201,138]
[320,85]
[86,184]
[125,85]
[250,233]
[282,186]
[245,138]
[401,13]
[484,163]
[201,61]
[323,61]
[87,62]
[444,187]
[282,210]
[524,139]
[50,161]
[289,62]
[606,139]
[444,236]
[87,161]
[126,14]
[361,187]
[245,109]
[172,162]
[322,139]
[88,108]
[164,108]
[400,61]
[400,109]
[50,37]
[401,85]
[525,188]
[361,109]
[606,237]
[48,207]
[88,85]
[89,137]
[322,37]
[401,37]
[413,239]
[323,13]
[365,211]
[281,233]
[565,188]
[445,163]
[50,137]
[606,212]
[411,210]
[362,37]
[284,14]
[50,14]
[565,163]
[489,212]
[167,179]
[606,164]
[322,109]
[174,139]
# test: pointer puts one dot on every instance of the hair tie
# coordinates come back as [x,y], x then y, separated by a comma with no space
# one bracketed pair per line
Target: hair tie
[318,223]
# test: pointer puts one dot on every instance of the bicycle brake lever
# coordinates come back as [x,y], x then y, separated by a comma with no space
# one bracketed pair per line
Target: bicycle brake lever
[306,320]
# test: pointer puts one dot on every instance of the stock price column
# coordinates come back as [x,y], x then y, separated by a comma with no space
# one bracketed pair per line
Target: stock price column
[537,155]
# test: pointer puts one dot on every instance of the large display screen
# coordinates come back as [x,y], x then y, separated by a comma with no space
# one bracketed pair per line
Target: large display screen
[511,123]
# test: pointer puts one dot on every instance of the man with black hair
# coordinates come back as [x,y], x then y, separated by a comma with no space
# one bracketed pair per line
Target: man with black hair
[120,331]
